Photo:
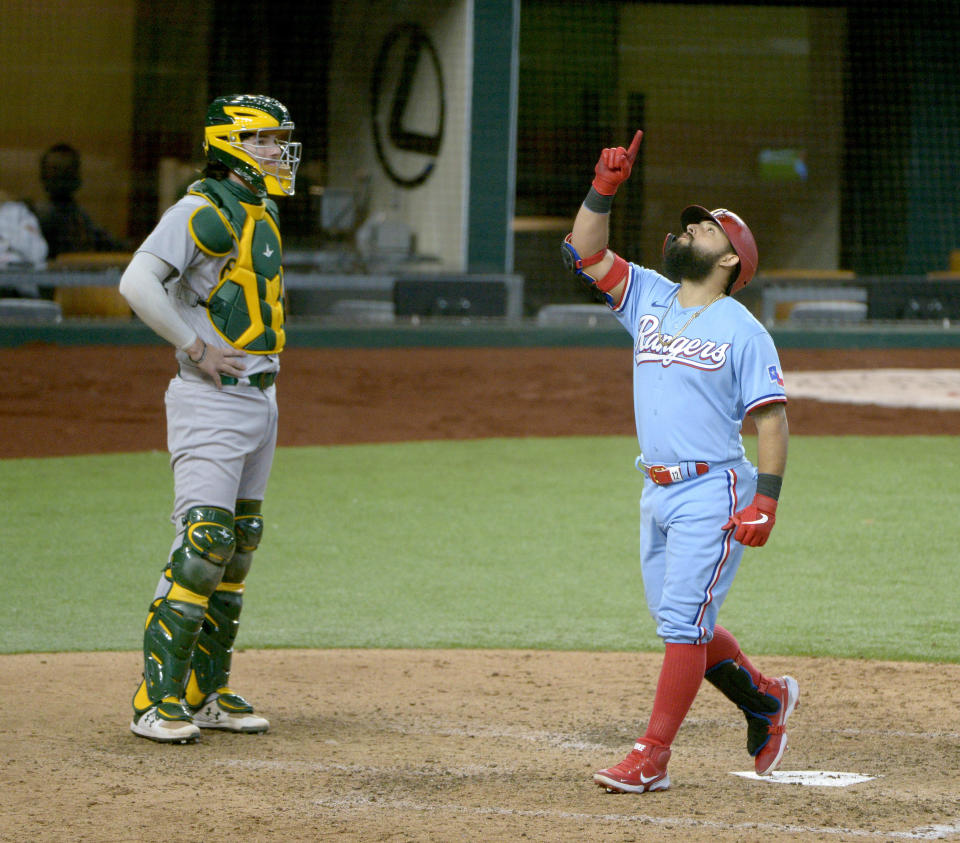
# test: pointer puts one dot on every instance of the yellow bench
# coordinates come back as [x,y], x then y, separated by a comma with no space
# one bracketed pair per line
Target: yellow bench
[91,301]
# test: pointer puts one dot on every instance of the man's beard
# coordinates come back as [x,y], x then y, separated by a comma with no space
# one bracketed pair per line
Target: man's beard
[681,260]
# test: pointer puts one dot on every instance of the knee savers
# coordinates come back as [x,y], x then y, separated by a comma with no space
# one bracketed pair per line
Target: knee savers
[208,546]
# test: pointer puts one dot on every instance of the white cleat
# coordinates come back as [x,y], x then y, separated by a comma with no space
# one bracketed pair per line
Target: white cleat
[229,712]
[153,726]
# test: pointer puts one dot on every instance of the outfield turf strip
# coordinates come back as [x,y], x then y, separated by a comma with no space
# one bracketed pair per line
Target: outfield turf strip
[515,543]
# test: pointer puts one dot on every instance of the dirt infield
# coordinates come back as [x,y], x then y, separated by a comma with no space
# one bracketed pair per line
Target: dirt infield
[96,399]
[464,745]
[386,745]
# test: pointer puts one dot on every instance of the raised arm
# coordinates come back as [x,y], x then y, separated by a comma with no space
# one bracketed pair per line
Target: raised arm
[585,248]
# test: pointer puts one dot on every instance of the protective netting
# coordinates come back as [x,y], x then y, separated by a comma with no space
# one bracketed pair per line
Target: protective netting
[832,129]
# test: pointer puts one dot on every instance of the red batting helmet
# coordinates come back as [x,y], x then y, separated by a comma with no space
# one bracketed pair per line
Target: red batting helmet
[737,233]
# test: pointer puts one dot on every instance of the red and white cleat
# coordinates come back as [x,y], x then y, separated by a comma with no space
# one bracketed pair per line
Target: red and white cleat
[644,769]
[786,691]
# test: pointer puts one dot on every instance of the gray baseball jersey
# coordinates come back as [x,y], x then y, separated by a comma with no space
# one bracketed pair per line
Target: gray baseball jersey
[197,276]
[221,440]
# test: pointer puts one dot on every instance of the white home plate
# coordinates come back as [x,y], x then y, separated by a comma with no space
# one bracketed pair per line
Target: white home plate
[810,778]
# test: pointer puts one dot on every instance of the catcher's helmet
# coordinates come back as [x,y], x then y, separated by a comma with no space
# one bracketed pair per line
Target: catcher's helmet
[737,233]
[233,119]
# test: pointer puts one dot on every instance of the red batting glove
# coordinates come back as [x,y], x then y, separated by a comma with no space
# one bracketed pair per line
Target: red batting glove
[755,522]
[614,166]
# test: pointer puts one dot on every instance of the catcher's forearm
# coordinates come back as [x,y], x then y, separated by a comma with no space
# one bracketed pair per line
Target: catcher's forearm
[142,286]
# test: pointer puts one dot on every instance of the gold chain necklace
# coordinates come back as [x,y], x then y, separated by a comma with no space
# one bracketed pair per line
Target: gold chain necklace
[666,345]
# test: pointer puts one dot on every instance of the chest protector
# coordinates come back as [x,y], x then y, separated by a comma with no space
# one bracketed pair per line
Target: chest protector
[246,306]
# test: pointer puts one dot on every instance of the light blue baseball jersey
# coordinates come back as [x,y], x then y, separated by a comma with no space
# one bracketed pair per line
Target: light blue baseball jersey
[691,398]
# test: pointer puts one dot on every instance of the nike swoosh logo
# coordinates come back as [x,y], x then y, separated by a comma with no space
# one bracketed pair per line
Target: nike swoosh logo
[763,519]
[647,779]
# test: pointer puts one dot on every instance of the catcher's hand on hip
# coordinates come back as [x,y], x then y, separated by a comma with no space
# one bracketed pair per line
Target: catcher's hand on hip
[614,166]
[213,361]
[754,523]
[226,361]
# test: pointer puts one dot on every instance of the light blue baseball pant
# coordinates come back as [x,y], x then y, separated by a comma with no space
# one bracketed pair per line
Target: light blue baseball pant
[688,560]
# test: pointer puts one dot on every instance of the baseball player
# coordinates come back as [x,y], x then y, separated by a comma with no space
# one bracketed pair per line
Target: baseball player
[209,280]
[702,363]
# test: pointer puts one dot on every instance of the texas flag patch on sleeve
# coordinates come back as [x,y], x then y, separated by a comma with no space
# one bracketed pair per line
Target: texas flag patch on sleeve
[775,376]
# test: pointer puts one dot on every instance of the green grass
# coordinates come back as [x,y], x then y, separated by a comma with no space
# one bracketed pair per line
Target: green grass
[493,543]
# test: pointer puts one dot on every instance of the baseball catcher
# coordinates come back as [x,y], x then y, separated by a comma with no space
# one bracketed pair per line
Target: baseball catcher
[209,280]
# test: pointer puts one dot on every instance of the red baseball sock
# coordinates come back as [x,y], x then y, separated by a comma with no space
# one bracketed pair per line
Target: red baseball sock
[724,646]
[680,677]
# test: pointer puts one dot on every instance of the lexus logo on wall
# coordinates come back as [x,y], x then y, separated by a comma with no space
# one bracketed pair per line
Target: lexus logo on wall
[407,105]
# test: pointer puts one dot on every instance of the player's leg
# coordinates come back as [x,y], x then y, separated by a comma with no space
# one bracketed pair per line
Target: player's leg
[700,564]
[766,702]
[689,565]
[701,559]
[173,624]
[207,467]
[214,704]
[645,767]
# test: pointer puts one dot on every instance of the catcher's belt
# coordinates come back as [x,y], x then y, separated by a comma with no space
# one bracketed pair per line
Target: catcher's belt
[258,380]
[664,475]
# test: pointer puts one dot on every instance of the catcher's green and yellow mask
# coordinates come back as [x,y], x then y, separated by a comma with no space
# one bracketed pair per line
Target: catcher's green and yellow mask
[240,133]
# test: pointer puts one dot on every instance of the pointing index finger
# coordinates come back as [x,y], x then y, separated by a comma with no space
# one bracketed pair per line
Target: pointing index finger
[635,145]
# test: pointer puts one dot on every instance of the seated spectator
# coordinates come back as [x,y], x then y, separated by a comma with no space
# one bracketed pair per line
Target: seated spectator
[21,242]
[21,245]
[65,225]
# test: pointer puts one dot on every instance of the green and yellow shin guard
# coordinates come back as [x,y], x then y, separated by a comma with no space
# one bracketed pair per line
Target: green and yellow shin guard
[175,619]
[169,637]
[213,655]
